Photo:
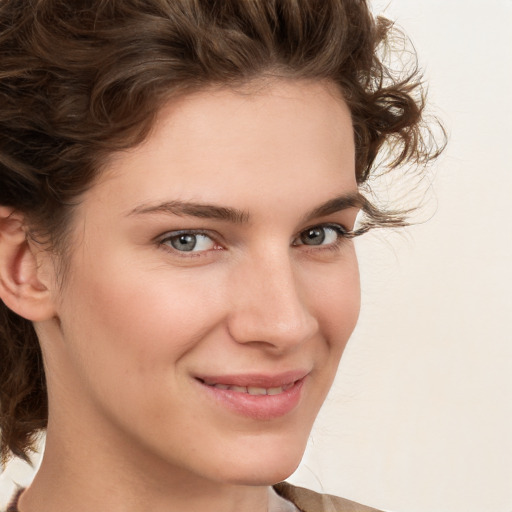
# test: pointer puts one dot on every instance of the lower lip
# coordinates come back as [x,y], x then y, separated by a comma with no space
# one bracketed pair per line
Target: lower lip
[258,407]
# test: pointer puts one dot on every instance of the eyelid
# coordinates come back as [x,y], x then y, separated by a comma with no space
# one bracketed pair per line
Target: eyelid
[177,232]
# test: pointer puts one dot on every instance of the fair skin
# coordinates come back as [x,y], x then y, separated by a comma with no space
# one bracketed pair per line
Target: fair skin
[167,302]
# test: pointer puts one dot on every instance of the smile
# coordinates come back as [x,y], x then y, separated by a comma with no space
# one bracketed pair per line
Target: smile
[259,397]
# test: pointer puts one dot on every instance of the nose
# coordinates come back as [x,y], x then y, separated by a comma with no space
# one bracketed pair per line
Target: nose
[270,304]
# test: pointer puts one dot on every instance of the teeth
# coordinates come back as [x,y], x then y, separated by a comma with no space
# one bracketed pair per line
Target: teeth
[253,390]
[256,391]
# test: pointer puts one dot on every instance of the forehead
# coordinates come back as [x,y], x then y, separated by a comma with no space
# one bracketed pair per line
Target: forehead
[226,145]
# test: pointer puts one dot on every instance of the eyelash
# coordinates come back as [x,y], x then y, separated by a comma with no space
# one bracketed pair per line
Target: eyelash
[342,235]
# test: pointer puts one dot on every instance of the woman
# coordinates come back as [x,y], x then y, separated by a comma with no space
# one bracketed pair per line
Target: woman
[180,182]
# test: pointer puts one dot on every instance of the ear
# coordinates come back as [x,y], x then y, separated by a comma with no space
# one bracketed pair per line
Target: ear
[24,286]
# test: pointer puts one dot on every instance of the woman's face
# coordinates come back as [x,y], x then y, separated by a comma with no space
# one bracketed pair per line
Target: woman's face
[211,290]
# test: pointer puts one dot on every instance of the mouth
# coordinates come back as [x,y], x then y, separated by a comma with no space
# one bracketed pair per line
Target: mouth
[260,397]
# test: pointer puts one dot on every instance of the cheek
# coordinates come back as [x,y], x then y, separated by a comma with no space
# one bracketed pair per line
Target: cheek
[135,321]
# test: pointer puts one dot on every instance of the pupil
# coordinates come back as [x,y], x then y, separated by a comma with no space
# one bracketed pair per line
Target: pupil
[314,236]
[184,242]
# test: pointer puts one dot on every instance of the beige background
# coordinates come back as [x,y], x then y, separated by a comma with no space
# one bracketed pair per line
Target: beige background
[420,419]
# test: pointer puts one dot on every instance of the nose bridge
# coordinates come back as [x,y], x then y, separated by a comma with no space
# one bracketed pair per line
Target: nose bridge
[268,302]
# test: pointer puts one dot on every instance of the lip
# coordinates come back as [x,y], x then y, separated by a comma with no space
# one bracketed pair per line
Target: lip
[262,407]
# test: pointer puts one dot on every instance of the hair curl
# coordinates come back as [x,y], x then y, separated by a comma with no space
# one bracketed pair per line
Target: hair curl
[80,80]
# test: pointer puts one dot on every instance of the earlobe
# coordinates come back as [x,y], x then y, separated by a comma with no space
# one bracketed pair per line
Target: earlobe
[21,288]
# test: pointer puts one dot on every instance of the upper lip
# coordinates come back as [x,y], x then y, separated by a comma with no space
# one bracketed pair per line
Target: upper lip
[260,380]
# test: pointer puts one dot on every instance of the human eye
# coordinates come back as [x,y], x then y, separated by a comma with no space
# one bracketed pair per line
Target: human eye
[188,242]
[325,235]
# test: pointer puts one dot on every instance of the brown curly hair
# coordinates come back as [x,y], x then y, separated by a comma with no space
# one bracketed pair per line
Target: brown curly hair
[80,80]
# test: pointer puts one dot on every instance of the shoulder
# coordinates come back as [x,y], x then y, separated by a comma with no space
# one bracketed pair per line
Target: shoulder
[310,501]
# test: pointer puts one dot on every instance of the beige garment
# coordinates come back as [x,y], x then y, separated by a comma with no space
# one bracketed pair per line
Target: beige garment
[309,501]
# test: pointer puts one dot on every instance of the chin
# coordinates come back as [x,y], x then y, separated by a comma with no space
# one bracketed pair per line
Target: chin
[263,476]
[264,467]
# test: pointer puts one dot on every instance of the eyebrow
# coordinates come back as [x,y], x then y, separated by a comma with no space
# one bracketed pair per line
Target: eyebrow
[337,204]
[236,216]
[191,209]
